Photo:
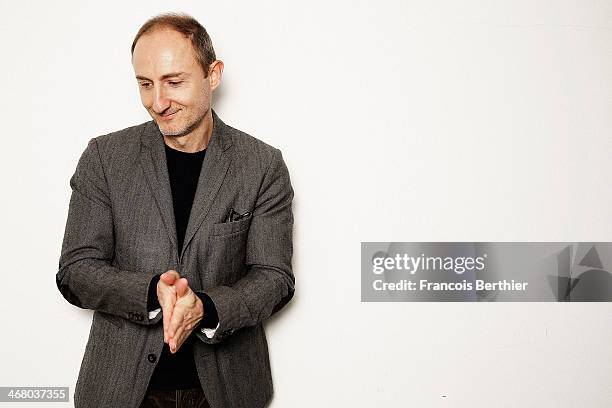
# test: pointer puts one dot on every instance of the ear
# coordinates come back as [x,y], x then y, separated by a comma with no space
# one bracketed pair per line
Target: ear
[215,74]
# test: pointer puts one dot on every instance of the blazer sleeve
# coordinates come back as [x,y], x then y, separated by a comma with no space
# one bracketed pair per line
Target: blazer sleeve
[86,278]
[269,283]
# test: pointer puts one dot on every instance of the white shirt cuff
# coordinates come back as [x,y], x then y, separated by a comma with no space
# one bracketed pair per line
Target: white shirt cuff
[154,313]
[210,332]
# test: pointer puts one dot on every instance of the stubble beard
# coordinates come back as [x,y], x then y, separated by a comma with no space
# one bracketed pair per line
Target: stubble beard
[186,130]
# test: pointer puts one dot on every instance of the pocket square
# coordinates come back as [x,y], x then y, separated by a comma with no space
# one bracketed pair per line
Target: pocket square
[232,215]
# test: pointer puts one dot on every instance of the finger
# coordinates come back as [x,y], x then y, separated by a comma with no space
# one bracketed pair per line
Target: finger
[184,331]
[184,308]
[178,336]
[178,341]
[182,286]
[166,297]
[167,315]
[176,320]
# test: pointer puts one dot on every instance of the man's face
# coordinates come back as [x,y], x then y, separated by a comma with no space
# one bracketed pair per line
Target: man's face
[172,85]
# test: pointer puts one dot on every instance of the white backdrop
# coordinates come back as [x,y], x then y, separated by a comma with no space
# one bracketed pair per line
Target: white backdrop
[399,121]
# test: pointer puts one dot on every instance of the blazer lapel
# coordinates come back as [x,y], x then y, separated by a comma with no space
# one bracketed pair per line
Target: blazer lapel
[214,168]
[153,160]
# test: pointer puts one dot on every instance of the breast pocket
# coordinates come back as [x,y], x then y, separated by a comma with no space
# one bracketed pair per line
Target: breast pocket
[223,259]
[226,228]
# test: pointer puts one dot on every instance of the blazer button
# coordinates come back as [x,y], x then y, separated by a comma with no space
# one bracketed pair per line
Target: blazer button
[151,357]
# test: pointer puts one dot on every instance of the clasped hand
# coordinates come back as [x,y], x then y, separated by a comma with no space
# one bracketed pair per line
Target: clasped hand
[182,310]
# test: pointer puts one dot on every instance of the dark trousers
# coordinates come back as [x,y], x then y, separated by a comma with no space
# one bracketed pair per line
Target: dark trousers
[189,398]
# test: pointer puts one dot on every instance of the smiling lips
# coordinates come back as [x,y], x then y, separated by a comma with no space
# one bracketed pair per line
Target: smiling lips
[168,116]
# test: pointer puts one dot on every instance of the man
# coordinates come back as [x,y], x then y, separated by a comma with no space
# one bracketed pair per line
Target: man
[179,237]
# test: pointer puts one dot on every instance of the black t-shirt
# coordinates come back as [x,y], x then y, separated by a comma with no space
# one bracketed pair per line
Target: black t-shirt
[178,371]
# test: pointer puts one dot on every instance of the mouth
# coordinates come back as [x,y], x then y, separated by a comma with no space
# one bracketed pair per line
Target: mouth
[168,116]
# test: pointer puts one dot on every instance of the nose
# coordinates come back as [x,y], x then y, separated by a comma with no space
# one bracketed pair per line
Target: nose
[160,101]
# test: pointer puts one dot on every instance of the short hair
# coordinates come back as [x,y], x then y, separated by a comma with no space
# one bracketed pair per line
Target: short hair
[190,28]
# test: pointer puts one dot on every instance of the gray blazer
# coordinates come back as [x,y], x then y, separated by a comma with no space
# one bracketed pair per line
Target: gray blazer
[121,231]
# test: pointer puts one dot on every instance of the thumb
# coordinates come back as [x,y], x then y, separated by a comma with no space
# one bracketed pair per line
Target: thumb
[181,287]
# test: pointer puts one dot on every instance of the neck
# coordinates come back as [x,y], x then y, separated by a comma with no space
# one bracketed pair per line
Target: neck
[196,140]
